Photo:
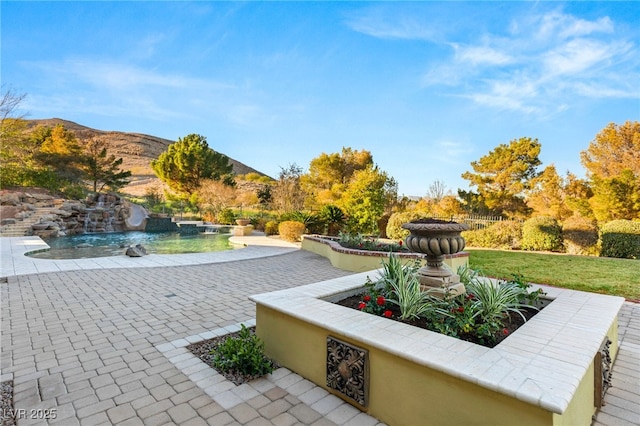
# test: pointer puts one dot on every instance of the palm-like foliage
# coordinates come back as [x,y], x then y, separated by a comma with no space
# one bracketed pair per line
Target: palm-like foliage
[403,288]
[494,301]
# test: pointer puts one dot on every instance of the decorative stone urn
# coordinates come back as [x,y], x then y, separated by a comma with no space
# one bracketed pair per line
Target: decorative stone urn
[437,238]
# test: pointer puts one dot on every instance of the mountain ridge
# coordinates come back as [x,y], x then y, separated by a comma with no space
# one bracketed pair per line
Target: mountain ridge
[137,150]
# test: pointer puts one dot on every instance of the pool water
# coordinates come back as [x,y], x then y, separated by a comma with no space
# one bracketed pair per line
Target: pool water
[115,244]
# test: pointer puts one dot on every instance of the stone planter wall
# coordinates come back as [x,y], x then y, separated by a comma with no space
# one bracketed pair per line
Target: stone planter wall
[366,260]
[543,374]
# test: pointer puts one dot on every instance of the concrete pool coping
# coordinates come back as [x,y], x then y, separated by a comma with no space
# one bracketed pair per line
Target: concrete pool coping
[13,260]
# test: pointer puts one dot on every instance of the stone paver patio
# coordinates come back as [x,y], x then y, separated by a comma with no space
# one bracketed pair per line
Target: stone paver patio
[101,346]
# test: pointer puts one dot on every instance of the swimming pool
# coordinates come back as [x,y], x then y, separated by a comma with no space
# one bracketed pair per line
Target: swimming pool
[115,243]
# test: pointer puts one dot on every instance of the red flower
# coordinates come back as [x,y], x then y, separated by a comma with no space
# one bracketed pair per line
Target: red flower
[470,296]
[380,301]
[362,305]
[505,331]
[366,298]
[400,243]
[387,314]
[461,309]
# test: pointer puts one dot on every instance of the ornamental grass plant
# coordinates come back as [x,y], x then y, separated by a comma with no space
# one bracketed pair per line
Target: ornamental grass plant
[485,314]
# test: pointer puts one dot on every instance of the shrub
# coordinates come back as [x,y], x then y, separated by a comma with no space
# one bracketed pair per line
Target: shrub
[620,238]
[505,234]
[542,233]
[310,220]
[226,217]
[580,236]
[271,228]
[333,217]
[244,354]
[290,230]
[394,225]
[258,223]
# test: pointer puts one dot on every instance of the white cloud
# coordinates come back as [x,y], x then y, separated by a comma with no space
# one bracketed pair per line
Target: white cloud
[556,25]
[540,64]
[382,23]
[579,55]
[481,55]
[121,76]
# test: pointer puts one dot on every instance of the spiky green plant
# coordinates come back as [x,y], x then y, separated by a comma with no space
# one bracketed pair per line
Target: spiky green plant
[403,288]
[494,301]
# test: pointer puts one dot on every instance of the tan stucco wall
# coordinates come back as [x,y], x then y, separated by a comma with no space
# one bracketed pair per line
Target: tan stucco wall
[401,392]
[582,407]
[365,262]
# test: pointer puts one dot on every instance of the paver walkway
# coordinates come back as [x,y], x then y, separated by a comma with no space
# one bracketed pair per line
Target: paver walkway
[93,345]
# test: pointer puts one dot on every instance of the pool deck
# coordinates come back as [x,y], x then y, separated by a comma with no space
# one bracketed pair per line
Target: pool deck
[14,262]
[101,340]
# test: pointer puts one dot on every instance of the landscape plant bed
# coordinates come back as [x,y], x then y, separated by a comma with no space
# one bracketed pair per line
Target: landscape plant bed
[544,373]
[7,417]
[511,324]
[205,350]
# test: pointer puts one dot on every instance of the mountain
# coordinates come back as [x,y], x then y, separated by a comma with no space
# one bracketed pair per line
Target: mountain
[137,151]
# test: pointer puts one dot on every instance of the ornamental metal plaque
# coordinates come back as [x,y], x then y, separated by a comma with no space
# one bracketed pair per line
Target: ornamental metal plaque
[602,372]
[348,370]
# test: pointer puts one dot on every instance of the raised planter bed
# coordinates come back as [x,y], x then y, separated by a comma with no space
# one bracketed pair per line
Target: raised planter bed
[365,260]
[545,373]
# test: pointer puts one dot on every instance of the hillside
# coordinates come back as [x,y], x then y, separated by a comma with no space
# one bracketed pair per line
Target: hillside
[137,151]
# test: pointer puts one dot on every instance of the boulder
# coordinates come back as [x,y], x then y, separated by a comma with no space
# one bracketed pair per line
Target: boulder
[11,199]
[60,212]
[40,197]
[136,251]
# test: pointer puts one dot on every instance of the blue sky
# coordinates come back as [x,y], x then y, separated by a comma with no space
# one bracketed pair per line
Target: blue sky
[427,87]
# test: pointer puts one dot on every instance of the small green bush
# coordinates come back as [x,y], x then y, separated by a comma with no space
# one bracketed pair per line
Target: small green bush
[271,228]
[620,238]
[505,234]
[290,230]
[542,233]
[244,354]
[580,236]
[226,217]
[394,225]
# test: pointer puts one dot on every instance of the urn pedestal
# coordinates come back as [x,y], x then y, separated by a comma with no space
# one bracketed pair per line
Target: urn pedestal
[435,239]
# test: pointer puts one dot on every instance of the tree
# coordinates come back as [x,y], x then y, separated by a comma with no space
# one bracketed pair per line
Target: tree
[287,194]
[188,161]
[437,191]
[473,203]
[364,200]
[503,175]
[547,195]
[214,196]
[614,149]
[11,123]
[612,161]
[14,152]
[329,175]
[449,205]
[60,151]
[616,197]
[577,194]
[264,196]
[101,169]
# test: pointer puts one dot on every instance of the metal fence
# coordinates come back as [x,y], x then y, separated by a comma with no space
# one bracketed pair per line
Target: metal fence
[475,222]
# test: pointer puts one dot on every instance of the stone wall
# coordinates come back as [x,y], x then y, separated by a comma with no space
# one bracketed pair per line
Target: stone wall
[97,213]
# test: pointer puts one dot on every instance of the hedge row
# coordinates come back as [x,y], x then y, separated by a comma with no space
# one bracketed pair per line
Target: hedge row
[577,235]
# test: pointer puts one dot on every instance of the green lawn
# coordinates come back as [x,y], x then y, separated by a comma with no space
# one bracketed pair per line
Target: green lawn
[618,277]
